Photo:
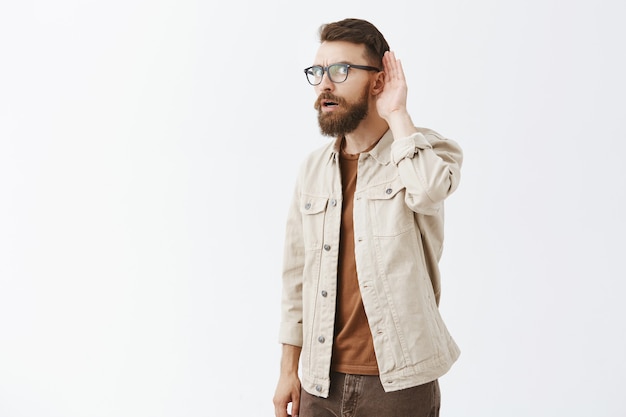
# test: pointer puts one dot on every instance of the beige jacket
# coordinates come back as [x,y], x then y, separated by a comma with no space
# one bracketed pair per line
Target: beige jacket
[398,231]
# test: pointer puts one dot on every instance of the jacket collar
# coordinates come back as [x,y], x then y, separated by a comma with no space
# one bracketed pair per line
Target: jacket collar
[381,152]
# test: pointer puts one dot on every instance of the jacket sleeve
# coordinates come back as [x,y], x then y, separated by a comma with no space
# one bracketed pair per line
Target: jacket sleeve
[293,266]
[430,168]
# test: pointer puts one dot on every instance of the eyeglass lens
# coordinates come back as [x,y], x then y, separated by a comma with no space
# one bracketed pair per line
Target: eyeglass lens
[337,73]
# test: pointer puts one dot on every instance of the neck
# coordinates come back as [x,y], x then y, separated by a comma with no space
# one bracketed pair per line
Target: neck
[369,131]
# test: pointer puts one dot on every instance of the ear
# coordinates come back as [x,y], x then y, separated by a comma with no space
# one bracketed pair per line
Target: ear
[378,83]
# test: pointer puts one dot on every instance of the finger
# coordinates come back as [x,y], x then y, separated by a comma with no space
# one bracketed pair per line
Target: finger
[391,64]
[295,407]
[280,411]
[388,62]
[400,70]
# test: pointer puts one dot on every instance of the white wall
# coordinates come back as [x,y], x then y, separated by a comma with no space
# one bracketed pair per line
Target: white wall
[147,155]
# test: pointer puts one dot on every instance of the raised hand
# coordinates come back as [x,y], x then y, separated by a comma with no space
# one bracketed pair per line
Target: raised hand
[391,102]
[393,97]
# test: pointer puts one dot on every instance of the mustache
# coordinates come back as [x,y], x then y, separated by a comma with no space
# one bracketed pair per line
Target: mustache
[327,96]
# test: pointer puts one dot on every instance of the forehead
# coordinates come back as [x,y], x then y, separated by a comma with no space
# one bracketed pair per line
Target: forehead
[330,52]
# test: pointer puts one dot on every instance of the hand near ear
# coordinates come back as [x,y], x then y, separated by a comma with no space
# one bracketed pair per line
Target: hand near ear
[393,97]
[391,101]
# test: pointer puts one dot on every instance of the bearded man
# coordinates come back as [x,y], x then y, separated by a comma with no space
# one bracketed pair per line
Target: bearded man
[361,331]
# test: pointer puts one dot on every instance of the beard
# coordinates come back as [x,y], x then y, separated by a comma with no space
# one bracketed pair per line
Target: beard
[347,119]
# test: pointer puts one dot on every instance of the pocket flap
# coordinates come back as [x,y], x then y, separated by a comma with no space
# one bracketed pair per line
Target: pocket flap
[312,205]
[385,191]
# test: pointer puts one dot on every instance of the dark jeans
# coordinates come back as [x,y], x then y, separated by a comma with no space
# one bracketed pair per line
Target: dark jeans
[363,396]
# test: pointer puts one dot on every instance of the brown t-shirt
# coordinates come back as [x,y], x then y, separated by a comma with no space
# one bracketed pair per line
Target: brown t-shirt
[353,349]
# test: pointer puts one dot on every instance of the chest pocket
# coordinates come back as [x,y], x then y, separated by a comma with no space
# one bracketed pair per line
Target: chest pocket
[313,211]
[388,213]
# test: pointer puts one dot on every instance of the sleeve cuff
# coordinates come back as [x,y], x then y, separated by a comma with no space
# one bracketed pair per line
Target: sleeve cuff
[290,334]
[408,146]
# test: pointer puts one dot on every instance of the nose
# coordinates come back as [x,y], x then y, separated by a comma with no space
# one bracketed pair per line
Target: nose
[326,84]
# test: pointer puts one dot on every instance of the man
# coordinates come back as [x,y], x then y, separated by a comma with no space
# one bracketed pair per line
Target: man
[364,237]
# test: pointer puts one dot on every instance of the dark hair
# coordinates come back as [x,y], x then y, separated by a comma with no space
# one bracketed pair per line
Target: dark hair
[360,32]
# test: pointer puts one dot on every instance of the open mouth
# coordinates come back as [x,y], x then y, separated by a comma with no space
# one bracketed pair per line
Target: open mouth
[327,102]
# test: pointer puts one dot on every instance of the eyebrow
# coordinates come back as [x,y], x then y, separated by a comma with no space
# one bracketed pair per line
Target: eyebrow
[338,62]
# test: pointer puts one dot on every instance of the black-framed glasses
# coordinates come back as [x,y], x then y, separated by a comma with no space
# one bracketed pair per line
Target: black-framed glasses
[337,73]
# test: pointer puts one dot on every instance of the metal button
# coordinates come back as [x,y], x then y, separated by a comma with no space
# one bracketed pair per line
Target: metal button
[321,339]
[324,293]
[318,388]
[326,247]
[307,206]
[388,190]
[333,202]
